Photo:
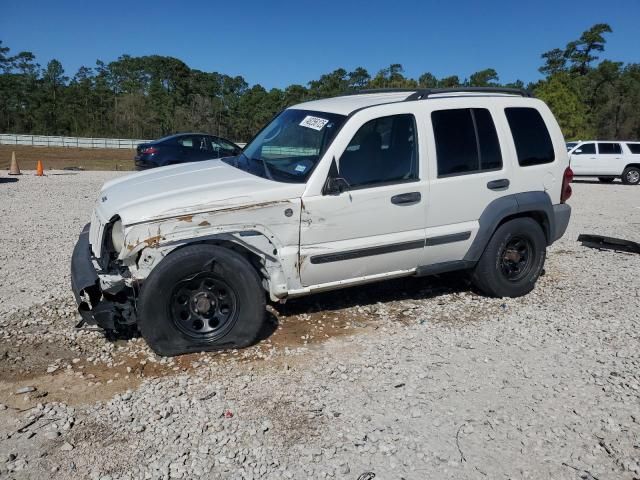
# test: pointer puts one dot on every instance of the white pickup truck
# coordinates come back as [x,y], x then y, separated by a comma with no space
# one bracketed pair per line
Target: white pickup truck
[332,193]
[607,160]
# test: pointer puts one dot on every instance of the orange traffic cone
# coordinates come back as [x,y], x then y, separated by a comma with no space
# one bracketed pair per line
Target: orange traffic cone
[14,169]
[39,169]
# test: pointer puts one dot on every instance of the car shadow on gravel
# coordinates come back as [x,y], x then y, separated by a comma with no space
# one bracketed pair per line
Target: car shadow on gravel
[8,180]
[385,292]
[595,182]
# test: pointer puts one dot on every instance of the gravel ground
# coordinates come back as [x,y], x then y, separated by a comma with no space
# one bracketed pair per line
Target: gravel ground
[409,379]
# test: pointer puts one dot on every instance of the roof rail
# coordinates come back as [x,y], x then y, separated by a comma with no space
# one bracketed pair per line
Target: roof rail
[365,91]
[422,93]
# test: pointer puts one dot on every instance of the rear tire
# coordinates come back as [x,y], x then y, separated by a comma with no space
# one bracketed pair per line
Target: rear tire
[631,176]
[606,179]
[201,298]
[513,260]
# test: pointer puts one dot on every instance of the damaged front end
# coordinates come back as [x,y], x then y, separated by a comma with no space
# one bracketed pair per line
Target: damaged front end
[109,306]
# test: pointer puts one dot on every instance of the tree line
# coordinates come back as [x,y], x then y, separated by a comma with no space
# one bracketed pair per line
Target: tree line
[152,96]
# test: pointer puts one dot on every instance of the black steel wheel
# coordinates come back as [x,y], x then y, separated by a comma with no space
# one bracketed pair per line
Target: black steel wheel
[201,298]
[512,260]
[515,258]
[204,306]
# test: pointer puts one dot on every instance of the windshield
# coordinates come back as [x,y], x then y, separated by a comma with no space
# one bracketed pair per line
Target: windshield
[288,149]
[570,145]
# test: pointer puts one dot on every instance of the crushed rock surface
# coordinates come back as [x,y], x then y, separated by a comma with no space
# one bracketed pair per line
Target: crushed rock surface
[415,378]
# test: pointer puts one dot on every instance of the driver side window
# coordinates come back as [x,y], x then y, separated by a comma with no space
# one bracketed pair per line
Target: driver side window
[586,149]
[382,151]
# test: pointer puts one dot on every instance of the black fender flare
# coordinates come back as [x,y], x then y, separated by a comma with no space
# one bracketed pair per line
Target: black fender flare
[538,203]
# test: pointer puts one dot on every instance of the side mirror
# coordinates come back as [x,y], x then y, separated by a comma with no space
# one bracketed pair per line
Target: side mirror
[335,184]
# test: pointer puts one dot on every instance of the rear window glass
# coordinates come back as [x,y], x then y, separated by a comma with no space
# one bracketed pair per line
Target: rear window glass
[609,148]
[634,147]
[530,135]
[466,141]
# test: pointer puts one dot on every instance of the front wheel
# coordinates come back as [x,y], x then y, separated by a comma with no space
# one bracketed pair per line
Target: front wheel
[201,298]
[513,259]
[631,176]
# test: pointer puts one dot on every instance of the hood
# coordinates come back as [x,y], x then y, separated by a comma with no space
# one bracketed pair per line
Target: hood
[187,189]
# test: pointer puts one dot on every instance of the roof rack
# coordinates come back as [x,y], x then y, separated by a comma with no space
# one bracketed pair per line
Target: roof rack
[423,93]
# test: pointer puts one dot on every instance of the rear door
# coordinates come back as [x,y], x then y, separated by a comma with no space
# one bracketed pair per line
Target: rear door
[192,148]
[609,159]
[468,170]
[584,160]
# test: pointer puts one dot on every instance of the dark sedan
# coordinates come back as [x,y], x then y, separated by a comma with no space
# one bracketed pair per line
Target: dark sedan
[182,148]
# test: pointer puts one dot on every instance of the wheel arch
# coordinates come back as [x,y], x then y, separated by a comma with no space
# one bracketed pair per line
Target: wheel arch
[535,205]
[252,245]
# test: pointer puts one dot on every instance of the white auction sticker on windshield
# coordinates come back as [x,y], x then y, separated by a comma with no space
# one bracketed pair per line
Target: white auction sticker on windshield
[316,123]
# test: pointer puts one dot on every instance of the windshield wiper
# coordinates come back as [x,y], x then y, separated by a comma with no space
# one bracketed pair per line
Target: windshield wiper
[266,168]
[264,164]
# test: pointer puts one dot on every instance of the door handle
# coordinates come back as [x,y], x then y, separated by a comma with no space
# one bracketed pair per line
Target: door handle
[406,198]
[501,184]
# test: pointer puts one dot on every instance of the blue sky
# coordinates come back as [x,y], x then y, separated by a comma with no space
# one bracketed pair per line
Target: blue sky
[277,43]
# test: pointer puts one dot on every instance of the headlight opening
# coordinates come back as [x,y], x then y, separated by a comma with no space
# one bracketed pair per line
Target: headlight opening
[117,235]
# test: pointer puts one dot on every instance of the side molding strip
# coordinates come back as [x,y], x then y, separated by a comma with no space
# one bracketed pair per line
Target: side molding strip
[451,238]
[394,247]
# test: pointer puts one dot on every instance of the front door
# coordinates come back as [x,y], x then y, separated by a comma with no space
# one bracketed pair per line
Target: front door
[583,160]
[375,227]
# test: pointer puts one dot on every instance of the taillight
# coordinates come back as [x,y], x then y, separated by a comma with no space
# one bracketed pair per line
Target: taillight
[567,178]
[150,150]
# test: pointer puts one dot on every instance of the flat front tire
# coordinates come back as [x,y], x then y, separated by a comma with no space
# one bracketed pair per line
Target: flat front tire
[201,298]
[513,259]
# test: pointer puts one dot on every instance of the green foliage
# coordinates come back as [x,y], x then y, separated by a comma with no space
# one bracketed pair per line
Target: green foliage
[567,105]
[151,96]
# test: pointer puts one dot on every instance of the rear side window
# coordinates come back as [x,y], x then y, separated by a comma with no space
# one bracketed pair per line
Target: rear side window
[585,149]
[634,147]
[194,142]
[609,149]
[530,135]
[466,141]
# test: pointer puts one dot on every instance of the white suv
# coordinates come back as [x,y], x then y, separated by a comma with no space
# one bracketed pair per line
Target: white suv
[331,193]
[607,160]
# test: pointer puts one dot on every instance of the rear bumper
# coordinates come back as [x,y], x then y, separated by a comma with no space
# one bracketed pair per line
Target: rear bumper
[561,217]
[95,307]
[141,164]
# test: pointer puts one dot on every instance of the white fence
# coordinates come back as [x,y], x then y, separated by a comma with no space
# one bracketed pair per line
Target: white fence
[74,142]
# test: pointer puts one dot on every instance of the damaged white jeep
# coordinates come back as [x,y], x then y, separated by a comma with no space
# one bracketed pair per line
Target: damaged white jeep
[332,193]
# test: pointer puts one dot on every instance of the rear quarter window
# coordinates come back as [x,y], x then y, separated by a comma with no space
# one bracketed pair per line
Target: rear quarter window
[530,135]
[634,147]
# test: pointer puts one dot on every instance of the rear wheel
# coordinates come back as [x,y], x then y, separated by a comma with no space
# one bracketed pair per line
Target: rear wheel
[631,176]
[513,260]
[201,298]
[606,179]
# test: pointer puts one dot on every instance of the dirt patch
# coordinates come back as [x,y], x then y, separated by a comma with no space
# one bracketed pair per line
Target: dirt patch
[41,349]
[57,158]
